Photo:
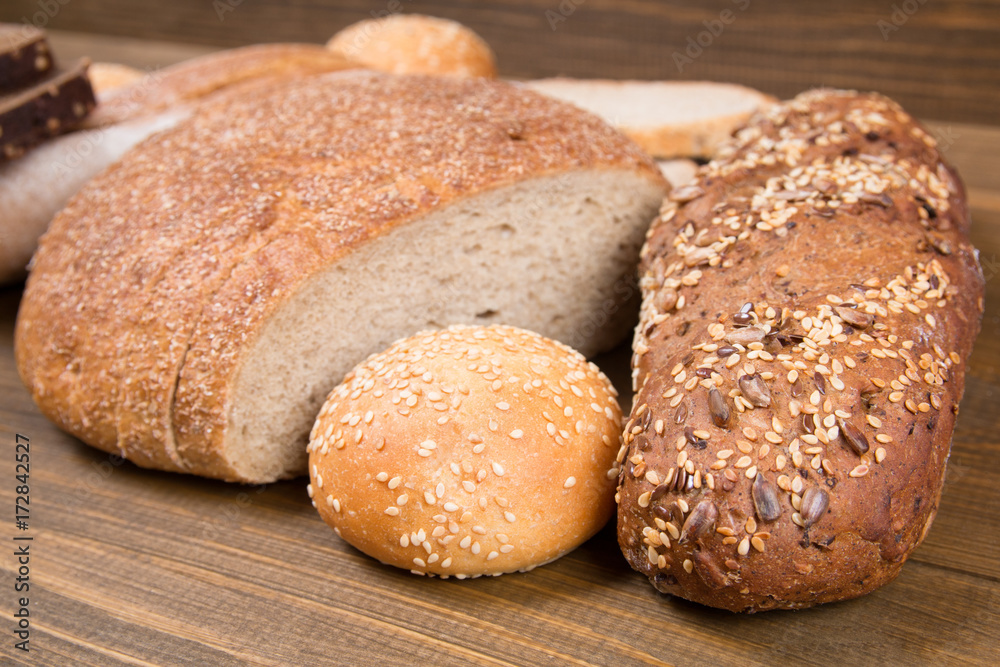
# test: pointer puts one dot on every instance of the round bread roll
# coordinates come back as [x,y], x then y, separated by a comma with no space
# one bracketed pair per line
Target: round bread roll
[467,451]
[415,44]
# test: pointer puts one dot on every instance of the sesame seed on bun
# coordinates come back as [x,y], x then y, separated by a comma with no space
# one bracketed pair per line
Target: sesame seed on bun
[467,451]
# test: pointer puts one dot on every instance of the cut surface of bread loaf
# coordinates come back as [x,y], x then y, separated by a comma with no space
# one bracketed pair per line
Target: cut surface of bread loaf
[669,119]
[809,304]
[217,283]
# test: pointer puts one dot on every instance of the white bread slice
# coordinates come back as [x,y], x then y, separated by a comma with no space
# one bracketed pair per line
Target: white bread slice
[668,119]
[193,305]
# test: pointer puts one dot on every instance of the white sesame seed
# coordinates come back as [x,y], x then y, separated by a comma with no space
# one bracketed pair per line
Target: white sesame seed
[498,469]
[509,516]
[569,483]
[392,511]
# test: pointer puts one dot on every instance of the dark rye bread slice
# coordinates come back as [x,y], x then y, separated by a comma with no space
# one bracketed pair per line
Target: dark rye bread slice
[318,221]
[808,307]
[24,56]
[48,108]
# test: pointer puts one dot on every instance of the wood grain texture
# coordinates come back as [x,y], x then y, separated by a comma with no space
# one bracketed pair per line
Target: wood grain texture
[939,59]
[135,567]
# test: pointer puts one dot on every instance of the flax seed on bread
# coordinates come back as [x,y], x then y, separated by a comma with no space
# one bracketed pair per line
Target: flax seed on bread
[808,306]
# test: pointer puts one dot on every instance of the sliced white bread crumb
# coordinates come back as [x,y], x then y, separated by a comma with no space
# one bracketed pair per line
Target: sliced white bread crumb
[668,119]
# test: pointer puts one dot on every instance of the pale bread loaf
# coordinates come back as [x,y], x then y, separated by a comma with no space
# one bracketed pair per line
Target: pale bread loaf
[415,44]
[193,305]
[467,451]
[668,119]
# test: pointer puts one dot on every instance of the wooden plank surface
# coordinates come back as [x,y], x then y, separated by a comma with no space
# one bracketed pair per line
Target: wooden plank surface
[940,58]
[130,566]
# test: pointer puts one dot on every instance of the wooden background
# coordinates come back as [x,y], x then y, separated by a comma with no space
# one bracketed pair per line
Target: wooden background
[943,61]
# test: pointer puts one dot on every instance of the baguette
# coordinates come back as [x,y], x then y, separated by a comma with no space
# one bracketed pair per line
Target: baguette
[195,303]
[808,307]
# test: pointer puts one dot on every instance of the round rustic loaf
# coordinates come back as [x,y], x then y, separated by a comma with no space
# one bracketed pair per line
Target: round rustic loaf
[808,307]
[467,451]
[193,305]
[415,44]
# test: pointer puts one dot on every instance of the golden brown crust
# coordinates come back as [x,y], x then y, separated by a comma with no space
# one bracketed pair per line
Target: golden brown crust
[415,44]
[199,78]
[467,451]
[173,274]
[505,135]
[809,430]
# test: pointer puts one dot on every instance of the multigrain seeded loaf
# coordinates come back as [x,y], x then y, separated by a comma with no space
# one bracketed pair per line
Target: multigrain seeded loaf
[194,304]
[808,307]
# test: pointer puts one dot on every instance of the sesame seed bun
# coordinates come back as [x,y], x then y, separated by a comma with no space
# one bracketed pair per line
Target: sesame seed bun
[415,44]
[467,451]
